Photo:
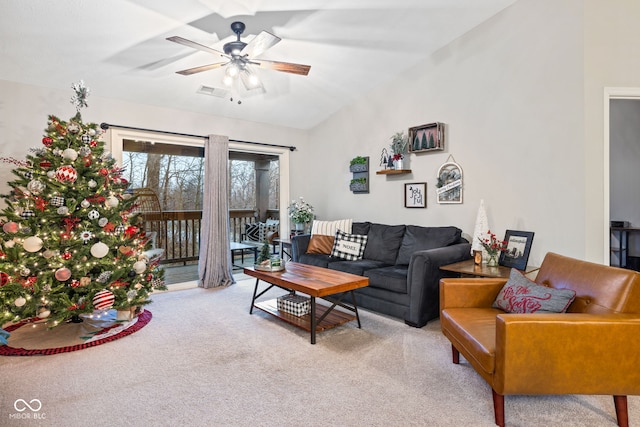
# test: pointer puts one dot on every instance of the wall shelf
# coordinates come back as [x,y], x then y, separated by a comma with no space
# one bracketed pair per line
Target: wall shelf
[393,171]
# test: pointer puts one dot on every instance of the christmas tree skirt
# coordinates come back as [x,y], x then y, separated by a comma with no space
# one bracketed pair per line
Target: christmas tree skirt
[32,336]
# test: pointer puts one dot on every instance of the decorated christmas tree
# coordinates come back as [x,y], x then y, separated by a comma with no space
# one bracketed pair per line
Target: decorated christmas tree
[70,240]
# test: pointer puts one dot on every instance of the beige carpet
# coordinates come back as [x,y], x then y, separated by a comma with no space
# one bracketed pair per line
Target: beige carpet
[204,361]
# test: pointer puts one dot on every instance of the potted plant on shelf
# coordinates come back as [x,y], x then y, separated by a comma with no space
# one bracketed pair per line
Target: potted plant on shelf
[358,164]
[300,213]
[399,144]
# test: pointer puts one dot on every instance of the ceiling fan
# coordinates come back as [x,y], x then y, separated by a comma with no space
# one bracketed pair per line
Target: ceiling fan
[241,57]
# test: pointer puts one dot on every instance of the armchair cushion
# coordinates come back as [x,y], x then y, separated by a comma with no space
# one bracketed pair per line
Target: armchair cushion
[521,295]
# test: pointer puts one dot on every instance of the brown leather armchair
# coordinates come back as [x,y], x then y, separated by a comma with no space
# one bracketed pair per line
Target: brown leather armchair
[593,348]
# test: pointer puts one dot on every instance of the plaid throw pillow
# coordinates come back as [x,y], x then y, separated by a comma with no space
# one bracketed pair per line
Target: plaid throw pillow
[347,246]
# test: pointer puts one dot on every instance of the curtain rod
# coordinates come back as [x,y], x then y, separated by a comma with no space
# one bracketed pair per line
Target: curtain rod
[106,126]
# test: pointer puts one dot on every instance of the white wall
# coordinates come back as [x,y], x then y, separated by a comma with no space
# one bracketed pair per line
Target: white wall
[511,95]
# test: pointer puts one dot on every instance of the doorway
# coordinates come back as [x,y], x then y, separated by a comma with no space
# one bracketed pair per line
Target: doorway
[174,165]
[622,195]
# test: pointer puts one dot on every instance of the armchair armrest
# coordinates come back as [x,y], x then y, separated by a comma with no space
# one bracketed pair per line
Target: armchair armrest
[469,292]
[567,354]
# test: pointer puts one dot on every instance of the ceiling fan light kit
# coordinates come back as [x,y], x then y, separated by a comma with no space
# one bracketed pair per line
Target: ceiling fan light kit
[240,57]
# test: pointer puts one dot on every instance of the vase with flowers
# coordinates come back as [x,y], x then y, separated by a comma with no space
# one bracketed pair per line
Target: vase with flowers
[399,144]
[300,213]
[493,246]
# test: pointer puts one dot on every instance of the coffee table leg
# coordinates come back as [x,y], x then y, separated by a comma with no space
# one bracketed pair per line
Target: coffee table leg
[253,300]
[313,320]
[355,308]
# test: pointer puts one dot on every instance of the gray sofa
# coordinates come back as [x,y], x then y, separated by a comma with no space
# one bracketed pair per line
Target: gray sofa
[402,263]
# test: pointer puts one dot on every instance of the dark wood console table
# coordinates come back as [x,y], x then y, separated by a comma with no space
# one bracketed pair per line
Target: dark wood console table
[469,269]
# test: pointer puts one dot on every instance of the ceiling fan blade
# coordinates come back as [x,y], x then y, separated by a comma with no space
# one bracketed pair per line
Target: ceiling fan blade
[259,44]
[201,68]
[194,45]
[286,67]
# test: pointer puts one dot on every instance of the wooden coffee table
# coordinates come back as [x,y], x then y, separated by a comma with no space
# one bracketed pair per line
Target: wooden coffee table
[317,282]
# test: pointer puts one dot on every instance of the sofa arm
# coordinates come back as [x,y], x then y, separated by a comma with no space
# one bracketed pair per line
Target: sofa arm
[423,279]
[299,246]
[469,292]
[567,354]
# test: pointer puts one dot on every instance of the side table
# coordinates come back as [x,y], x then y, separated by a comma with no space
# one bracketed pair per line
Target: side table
[469,268]
[285,247]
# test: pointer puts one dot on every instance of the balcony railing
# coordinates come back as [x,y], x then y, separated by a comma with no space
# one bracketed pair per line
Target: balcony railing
[178,232]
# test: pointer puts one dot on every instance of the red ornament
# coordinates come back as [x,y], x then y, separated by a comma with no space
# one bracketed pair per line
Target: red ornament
[66,256]
[93,144]
[104,172]
[87,161]
[109,227]
[103,300]
[131,231]
[47,141]
[66,174]
[75,283]
[45,164]
[4,278]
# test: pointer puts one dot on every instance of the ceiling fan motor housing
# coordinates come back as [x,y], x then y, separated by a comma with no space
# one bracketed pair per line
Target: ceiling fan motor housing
[235,47]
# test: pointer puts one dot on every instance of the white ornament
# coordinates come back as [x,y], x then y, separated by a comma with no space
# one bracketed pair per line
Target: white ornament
[103,221]
[32,244]
[92,184]
[85,203]
[20,301]
[99,250]
[92,132]
[35,186]
[139,266]
[48,253]
[94,214]
[9,244]
[44,313]
[63,210]
[51,174]
[70,154]
[111,202]
[73,127]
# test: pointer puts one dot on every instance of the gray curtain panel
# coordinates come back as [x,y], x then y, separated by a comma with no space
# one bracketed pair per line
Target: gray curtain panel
[214,265]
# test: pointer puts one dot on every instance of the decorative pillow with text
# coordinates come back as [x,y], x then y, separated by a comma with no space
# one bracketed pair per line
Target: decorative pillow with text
[349,247]
[521,295]
[323,235]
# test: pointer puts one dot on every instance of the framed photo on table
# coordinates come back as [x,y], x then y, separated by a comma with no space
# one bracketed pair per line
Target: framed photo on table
[415,195]
[518,248]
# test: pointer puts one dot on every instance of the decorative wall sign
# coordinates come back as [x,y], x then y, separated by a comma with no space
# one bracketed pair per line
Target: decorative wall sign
[429,137]
[415,195]
[449,186]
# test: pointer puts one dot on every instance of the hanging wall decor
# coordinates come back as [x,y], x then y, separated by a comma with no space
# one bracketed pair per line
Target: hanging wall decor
[429,137]
[449,186]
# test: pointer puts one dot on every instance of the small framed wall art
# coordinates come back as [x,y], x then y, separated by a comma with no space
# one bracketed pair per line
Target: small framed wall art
[415,195]
[429,137]
[518,248]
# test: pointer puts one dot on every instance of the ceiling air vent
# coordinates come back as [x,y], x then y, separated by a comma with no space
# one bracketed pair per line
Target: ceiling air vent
[213,91]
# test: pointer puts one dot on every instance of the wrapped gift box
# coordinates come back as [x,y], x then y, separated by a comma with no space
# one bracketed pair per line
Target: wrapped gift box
[294,304]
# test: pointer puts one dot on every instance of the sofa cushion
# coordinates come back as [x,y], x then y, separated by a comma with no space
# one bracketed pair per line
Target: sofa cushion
[252,232]
[418,238]
[347,246]
[323,235]
[265,228]
[319,260]
[360,227]
[357,267]
[521,295]
[383,243]
[393,278]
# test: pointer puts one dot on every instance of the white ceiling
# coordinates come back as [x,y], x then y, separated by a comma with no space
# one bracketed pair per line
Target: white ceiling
[118,48]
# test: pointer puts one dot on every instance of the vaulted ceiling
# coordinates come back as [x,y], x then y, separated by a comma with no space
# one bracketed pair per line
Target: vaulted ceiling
[119,49]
